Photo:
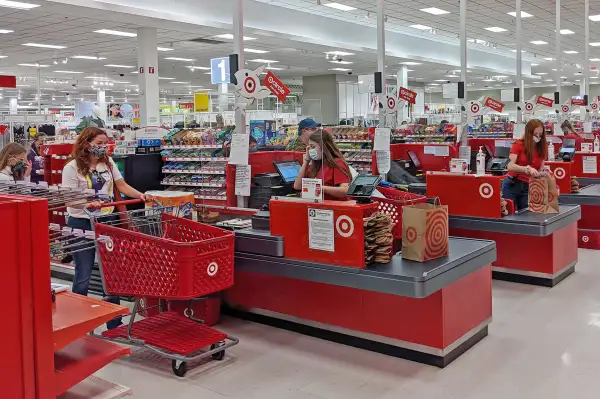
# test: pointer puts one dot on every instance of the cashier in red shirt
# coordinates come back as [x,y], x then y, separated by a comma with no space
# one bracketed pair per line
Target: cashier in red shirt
[526,160]
[570,133]
[323,160]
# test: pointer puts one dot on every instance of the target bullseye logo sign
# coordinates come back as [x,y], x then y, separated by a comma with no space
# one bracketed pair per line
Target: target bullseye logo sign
[391,103]
[212,269]
[585,239]
[344,226]
[411,234]
[559,173]
[528,107]
[109,245]
[486,190]
[187,312]
[594,106]
[565,108]
[475,108]
[250,84]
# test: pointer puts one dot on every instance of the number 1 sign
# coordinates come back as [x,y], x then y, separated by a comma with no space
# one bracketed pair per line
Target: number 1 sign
[219,70]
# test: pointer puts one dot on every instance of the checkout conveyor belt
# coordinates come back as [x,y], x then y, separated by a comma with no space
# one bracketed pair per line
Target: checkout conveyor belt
[399,277]
[524,222]
[589,195]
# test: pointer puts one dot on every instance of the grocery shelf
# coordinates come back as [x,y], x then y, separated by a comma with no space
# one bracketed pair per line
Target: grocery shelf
[80,359]
[194,171]
[351,141]
[196,159]
[211,197]
[356,150]
[191,147]
[192,184]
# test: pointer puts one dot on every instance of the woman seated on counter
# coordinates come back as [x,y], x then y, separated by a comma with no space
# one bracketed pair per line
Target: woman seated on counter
[323,160]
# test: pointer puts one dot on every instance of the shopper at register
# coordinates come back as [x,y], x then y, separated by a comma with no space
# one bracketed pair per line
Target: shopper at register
[35,157]
[91,168]
[323,160]
[306,127]
[526,160]
[570,133]
[13,163]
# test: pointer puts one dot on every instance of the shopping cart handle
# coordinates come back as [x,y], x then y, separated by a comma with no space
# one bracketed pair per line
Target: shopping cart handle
[109,204]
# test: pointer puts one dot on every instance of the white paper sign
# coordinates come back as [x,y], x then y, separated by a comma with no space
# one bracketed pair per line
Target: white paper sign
[242,180]
[383,162]
[240,144]
[586,147]
[450,90]
[458,165]
[590,165]
[320,229]
[558,130]
[312,189]
[587,127]
[381,142]
[442,151]
[519,131]
[429,149]
[464,152]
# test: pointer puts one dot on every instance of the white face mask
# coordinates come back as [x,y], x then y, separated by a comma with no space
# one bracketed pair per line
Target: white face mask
[314,154]
[537,139]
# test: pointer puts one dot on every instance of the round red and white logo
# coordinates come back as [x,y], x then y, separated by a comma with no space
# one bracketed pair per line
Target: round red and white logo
[585,239]
[344,226]
[594,106]
[559,173]
[565,108]
[474,108]
[109,245]
[391,103]
[528,107]
[212,269]
[486,190]
[250,84]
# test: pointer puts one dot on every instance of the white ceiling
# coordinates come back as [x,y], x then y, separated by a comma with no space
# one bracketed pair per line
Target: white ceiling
[76,32]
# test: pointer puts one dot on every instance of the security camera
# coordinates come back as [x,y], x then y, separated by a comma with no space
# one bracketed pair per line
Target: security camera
[74,85]
[350,73]
[121,74]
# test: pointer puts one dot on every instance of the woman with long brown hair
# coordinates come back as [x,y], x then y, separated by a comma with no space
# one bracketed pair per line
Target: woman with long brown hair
[13,163]
[323,160]
[526,160]
[91,168]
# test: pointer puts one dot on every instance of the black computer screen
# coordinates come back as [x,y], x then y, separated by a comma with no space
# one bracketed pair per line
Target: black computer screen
[288,170]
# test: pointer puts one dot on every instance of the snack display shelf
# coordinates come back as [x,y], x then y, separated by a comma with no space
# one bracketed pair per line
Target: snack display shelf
[194,171]
[425,136]
[211,197]
[192,184]
[352,141]
[196,159]
[191,147]
[356,150]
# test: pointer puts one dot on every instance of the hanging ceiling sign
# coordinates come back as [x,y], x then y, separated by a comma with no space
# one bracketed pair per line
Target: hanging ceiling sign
[248,88]
[8,81]
[577,101]
[548,102]
[494,104]
[407,95]
[220,70]
[276,86]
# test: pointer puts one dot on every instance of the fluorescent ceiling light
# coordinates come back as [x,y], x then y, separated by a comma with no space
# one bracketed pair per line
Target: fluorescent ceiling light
[3,56]
[595,44]
[6,31]
[434,11]
[532,64]
[67,72]
[341,7]
[410,63]
[275,69]
[593,77]
[433,84]
[35,65]
[500,76]
[487,80]
[164,49]
[342,62]
[523,14]
[410,70]
[549,59]
[256,51]
[230,37]
[340,69]
[594,59]
[341,53]
[197,86]
[563,77]
[43,45]
[161,78]
[541,73]
[88,57]
[263,61]
[119,66]
[184,83]
[538,42]
[421,27]
[595,18]
[116,32]
[440,80]
[571,52]
[199,67]
[496,29]
[548,80]
[19,5]
[179,59]
[452,76]
[566,32]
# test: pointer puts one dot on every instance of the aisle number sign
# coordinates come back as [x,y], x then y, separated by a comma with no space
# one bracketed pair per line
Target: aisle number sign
[201,102]
[220,70]
[407,95]
[276,86]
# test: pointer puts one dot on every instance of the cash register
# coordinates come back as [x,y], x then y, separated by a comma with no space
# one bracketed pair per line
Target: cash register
[361,188]
[498,165]
[267,185]
[567,151]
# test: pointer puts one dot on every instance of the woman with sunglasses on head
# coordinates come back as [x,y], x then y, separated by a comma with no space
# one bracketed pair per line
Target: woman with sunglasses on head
[526,161]
[14,165]
[323,160]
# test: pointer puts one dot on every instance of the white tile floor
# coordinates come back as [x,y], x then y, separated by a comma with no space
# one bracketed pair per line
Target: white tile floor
[543,343]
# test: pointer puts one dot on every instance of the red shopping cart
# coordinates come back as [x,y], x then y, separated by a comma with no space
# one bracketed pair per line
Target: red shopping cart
[392,205]
[153,254]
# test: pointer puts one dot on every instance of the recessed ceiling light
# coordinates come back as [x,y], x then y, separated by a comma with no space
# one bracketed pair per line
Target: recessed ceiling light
[256,51]
[341,7]
[495,29]
[184,83]
[594,59]
[199,67]
[342,62]
[523,14]
[88,57]
[410,63]
[571,52]
[548,59]
[421,27]
[595,44]
[6,31]
[263,61]
[161,78]
[595,18]
[434,11]
[119,66]
[538,42]
[541,73]
[275,69]
[67,72]
[34,65]
[340,69]
[566,32]
[179,59]
[43,45]
[116,32]
[17,4]
[341,53]
[230,37]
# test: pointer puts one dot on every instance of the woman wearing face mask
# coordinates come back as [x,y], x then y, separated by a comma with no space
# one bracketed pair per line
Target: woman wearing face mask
[570,133]
[35,157]
[91,168]
[526,160]
[13,163]
[323,160]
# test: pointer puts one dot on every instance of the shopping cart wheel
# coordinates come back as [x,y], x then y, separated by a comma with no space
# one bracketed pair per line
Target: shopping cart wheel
[180,370]
[218,355]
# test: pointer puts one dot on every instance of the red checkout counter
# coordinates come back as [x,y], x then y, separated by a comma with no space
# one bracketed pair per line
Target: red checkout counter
[532,248]
[428,312]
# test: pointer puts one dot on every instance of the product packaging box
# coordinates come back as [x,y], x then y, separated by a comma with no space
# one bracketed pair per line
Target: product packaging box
[177,203]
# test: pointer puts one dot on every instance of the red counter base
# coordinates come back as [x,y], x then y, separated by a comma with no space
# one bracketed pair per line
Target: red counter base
[434,330]
[544,261]
[589,227]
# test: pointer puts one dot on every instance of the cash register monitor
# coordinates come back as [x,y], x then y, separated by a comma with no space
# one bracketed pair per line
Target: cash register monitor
[568,143]
[288,170]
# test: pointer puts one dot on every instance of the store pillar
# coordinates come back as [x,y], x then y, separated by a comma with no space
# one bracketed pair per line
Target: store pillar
[402,81]
[148,76]
[14,106]
[101,101]
[223,97]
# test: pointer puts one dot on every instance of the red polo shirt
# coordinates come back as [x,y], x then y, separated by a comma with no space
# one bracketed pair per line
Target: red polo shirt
[518,148]
[333,177]
[578,140]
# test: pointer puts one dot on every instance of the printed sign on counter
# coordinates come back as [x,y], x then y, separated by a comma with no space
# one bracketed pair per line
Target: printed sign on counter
[458,165]
[276,86]
[242,180]
[240,144]
[548,102]
[494,104]
[320,229]
[381,141]
[383,161]
[312,189]
[586,147]
[590,165]
[407,95]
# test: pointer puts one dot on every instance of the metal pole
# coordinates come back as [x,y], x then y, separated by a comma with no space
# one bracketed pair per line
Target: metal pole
[39,93]
[586,63]
[381,57]
[558,55]
[238,48]
[519,61]
[463,69]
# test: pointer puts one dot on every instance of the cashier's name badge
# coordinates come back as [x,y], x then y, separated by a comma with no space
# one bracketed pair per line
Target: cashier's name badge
[312,189]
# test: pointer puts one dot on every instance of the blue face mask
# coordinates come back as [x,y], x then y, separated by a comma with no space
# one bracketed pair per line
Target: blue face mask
[314,154]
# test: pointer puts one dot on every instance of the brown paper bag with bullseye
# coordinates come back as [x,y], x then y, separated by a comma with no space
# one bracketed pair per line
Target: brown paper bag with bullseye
[424,232]
[543,195]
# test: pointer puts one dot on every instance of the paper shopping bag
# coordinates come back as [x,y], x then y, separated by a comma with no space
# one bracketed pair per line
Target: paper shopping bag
[543,195]
[424,232]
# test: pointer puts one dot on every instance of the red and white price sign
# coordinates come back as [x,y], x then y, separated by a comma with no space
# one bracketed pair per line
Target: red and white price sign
[548,102]
[407,95]
[276,86]
[494,104]
[577,101]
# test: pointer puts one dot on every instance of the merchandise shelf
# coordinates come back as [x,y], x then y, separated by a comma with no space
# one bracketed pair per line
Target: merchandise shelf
[193,184]
[210,197]
[82,358]
[356,150]
[193,172]
[196,159]
[351,141]
[191,147]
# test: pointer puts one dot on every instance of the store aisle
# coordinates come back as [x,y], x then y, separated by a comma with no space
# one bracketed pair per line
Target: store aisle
[542,344]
